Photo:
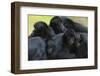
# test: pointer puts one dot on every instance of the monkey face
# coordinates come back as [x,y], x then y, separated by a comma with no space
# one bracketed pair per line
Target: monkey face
[40,26]
[57,25]
[42,30]
[69,37]
[70,40]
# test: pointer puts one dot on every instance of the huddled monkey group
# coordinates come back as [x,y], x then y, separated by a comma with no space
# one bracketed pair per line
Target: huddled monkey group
[63,38]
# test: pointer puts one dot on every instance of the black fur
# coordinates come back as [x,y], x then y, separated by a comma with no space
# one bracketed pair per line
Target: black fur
[63,39]
[56,24]
[42,30]
[68,23]
[36,49]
